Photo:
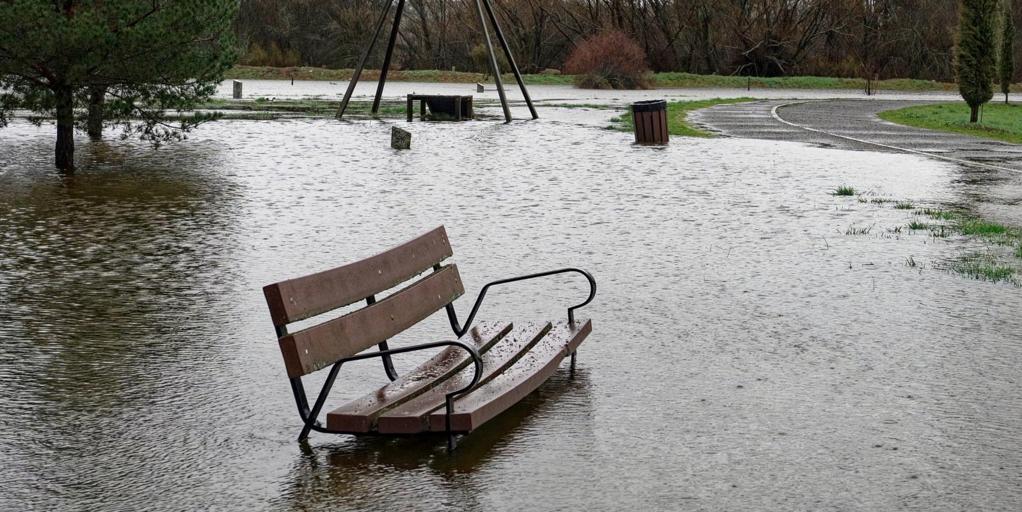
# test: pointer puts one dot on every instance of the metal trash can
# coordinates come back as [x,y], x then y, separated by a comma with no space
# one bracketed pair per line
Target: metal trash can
[650,118]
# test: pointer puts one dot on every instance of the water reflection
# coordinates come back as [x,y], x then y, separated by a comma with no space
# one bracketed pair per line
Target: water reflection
[100,274]
[369,472]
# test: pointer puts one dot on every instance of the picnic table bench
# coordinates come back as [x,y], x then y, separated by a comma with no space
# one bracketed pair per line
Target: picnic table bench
[457,108]
[488,367]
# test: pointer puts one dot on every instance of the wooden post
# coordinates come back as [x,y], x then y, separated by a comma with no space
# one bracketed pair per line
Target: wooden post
[362,61]
[510,58]
[410,107]
[493,62]
[237,90]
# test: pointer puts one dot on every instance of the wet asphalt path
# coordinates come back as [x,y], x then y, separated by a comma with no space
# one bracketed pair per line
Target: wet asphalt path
[990,176]
[853,124]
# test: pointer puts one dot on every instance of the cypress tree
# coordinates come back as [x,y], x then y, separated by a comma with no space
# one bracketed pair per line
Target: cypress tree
[1006,67]
[976,55]
[130,59]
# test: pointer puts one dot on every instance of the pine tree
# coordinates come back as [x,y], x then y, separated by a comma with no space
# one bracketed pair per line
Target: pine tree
[976,55]
[1006,66]
[146,57]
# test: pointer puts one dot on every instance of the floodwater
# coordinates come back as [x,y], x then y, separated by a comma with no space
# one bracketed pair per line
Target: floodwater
[747,353]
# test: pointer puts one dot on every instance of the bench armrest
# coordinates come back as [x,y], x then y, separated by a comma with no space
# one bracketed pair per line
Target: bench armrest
[460,331]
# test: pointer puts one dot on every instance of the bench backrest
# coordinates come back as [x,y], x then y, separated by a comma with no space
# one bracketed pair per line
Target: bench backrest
[322,345]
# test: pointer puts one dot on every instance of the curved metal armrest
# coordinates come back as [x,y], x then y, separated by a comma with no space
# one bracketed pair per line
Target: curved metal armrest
[482,295]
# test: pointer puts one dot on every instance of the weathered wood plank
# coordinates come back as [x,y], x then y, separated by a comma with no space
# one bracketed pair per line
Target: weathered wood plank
[508,388]
[358,416]
[412,416]
[319,346]
[308,296]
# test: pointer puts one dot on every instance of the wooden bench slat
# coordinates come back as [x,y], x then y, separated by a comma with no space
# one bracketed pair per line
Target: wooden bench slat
[319,346]
[516,383]
[358,416]
[412,416]
[308,296]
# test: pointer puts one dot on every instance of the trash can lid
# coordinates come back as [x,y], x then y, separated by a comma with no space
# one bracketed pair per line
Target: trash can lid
[649,106]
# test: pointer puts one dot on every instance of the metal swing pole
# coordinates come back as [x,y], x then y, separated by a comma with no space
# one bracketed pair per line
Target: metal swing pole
[510,58]
[362,61]
[390,53]
[493,62]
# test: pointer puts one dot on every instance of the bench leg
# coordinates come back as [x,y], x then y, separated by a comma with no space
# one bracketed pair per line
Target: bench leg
[451,443]
[320,401]
[410,108]
[573,354]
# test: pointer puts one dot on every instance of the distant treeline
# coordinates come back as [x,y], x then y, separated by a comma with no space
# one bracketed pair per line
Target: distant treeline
[845,38]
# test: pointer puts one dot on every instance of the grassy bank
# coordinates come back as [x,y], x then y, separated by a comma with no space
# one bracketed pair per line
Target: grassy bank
[677,116]
[343,75]
[674,80]
[263,108]
[1000,121]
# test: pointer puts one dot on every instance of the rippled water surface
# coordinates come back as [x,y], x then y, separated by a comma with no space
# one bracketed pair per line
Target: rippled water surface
[747,353]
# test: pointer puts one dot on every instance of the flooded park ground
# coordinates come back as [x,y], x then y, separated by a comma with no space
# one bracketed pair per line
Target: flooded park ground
[759,342]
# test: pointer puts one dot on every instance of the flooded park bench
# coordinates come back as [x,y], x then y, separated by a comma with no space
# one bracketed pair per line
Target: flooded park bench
[456,108]
[484,371]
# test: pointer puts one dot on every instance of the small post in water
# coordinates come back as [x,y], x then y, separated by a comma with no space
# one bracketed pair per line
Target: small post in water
[237,89]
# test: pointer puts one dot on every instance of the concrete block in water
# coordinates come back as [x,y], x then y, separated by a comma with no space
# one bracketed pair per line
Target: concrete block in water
[237,90]
[480,88]
[400,139]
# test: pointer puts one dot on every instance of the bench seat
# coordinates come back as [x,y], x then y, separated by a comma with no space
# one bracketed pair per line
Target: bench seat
[516,360]
[528,373]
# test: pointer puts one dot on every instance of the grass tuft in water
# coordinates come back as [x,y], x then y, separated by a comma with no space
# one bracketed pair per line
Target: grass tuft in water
[903,205]
[844,190]
[981,227]
[918,226]
[852,230]
[938,214]
[985,269]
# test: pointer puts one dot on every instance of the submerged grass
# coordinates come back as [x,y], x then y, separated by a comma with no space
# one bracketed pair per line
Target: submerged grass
[1000,121]
[844,190]
[988,267]
[677,114]
[985,268]
[995,265]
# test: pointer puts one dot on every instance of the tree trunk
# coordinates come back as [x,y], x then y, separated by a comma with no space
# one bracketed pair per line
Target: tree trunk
[65,150]
[97,102]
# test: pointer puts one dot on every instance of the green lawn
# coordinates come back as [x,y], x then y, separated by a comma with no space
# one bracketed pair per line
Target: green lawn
[1000,121]
[677,113]
[677,80]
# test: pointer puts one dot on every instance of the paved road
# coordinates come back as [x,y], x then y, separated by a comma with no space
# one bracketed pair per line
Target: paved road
[853,124]
[990,176]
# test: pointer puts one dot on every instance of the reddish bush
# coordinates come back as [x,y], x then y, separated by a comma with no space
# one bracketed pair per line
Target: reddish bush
[609,60]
